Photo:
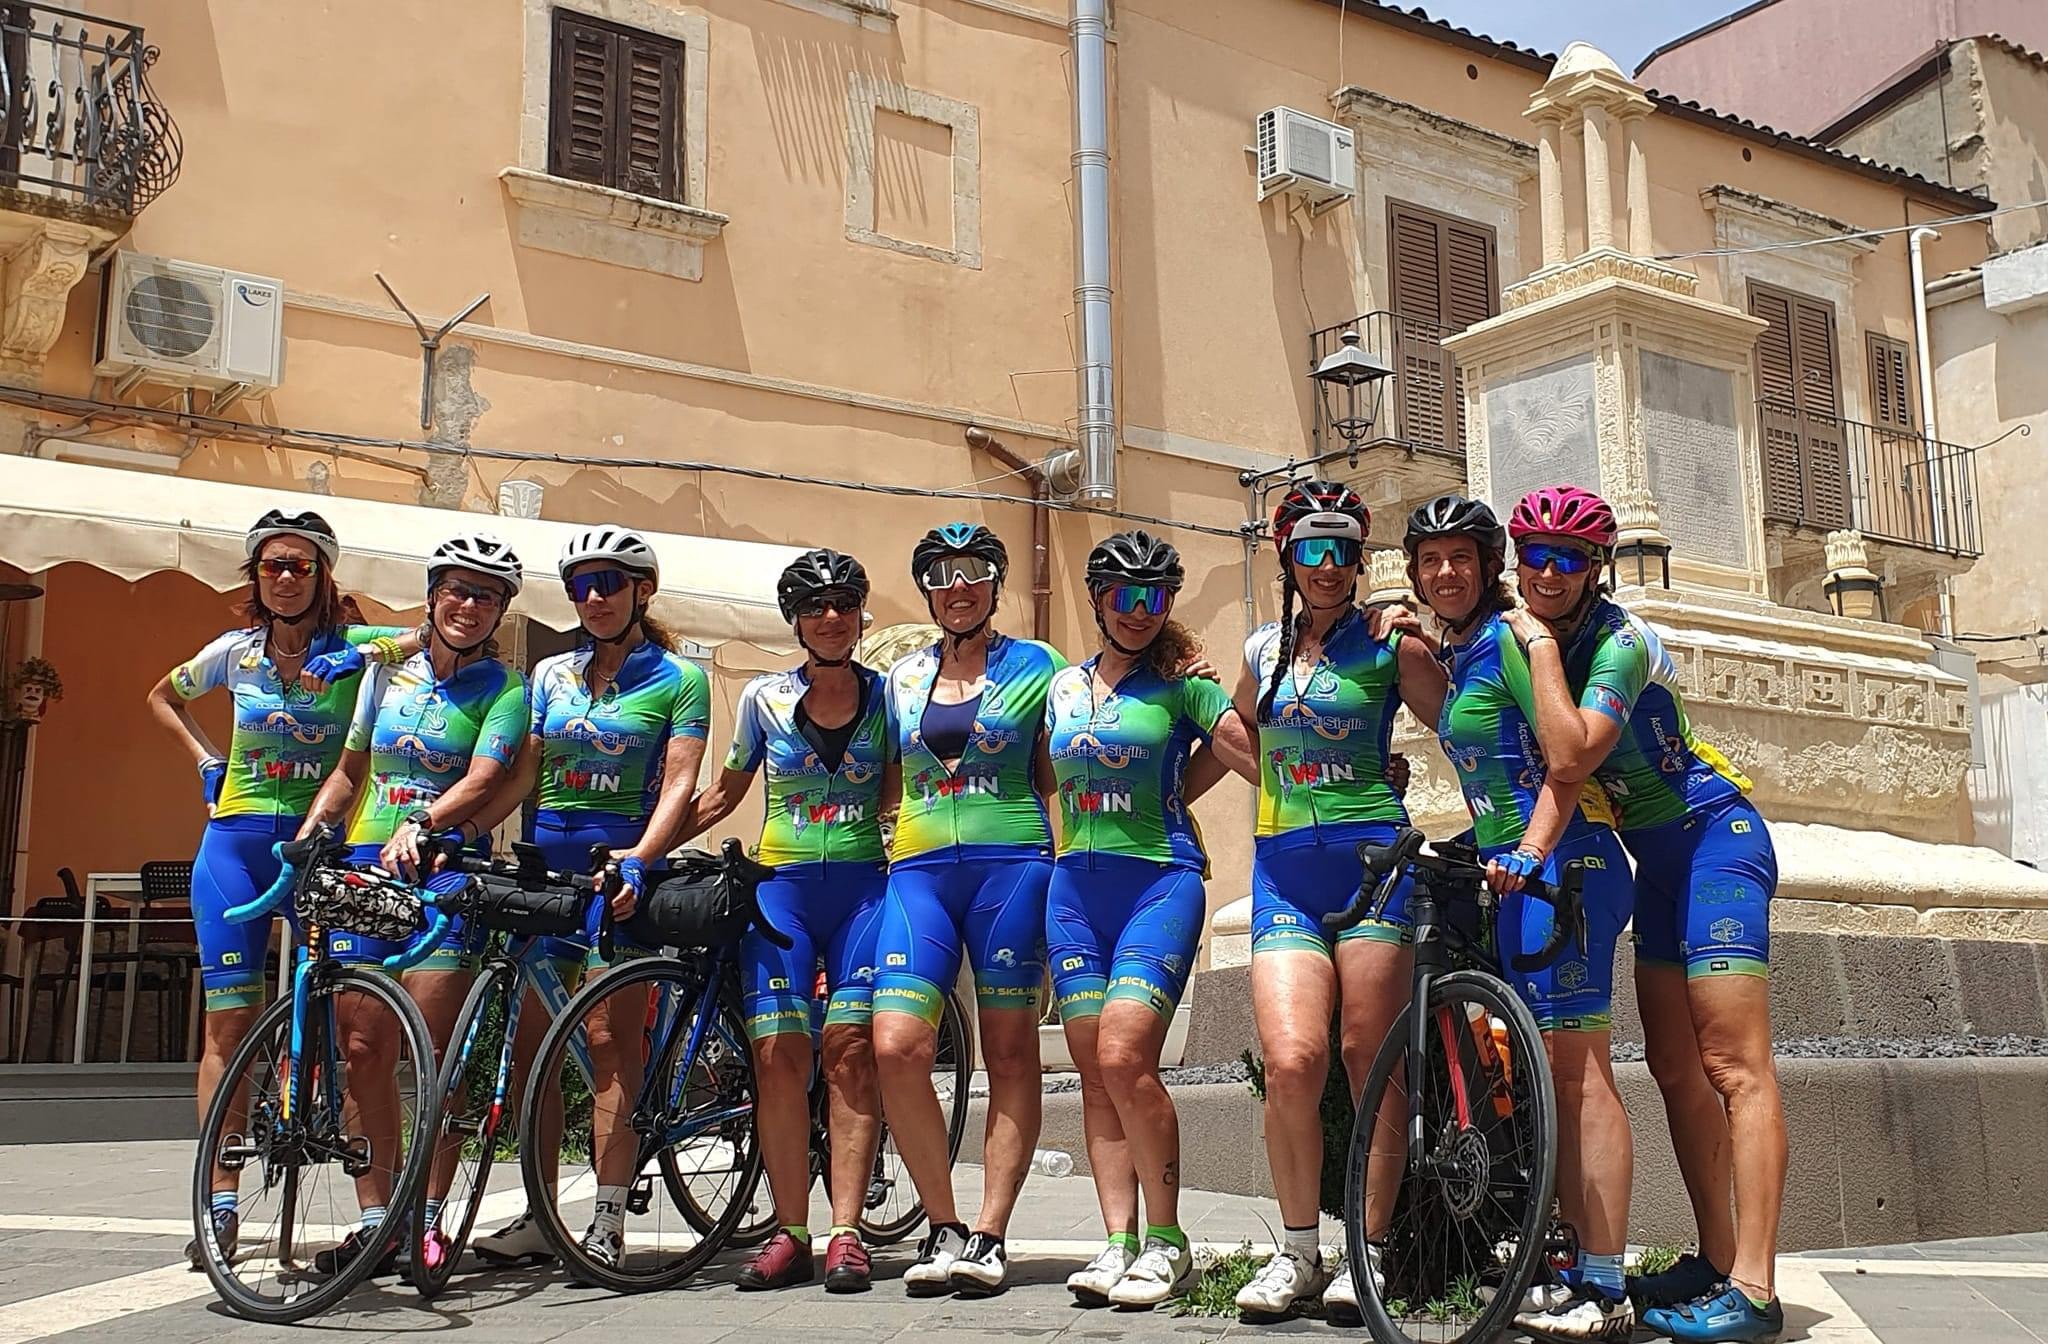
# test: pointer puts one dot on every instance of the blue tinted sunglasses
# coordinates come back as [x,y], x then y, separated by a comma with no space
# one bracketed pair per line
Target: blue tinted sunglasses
[1313,551]
[1125,598]
[1564,559]
[602,582]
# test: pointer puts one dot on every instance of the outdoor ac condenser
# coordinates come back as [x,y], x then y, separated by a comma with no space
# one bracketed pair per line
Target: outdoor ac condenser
[189,325]
[1305,155]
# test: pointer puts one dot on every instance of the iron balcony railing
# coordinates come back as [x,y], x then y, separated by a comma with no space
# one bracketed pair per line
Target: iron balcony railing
[1421,408]
[80,121]
[1825,472]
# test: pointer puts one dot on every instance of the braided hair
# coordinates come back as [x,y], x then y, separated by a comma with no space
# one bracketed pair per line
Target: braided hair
[1290,632]
[1329,508]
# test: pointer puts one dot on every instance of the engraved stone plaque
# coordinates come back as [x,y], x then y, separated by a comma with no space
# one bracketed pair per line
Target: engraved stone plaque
[1695,454]
[1540,431]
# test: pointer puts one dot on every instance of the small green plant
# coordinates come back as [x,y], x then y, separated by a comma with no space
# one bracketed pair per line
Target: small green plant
[1337,1118]
[1657,1259]
[1223,1275]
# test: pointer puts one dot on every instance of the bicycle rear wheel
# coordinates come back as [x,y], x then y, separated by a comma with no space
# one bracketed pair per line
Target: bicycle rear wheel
[677,1116]
[296,1157]
[892,1210]
[1466,1232]
[466,1124]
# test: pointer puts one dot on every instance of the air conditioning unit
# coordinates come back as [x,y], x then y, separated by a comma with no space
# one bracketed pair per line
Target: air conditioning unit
[1305,155]
[190,325]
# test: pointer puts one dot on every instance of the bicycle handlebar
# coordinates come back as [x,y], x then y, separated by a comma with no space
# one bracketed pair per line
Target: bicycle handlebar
[1384,866]
[526,867]
[292,856]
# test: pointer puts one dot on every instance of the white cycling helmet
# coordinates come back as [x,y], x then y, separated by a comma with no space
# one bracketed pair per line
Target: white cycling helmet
[478,551]
[309,527]
[607,541]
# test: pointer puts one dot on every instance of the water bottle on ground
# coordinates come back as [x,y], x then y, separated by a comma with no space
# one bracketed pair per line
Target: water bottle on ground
[1051,1162]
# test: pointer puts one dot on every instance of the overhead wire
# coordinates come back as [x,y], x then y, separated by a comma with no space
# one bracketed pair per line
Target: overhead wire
[1851,236]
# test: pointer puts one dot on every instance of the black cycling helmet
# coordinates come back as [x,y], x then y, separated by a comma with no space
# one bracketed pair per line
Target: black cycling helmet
[1457,516]
[1134,557]
[819,571]
[308,526]
[959,539]
[1336,508]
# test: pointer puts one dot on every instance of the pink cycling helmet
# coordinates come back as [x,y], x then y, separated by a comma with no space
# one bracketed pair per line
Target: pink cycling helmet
[1564,511]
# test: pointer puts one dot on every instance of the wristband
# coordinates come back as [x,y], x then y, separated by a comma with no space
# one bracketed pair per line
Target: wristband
[387,650]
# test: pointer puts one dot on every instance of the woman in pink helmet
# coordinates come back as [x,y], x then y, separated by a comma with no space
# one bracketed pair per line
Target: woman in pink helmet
[1608,705]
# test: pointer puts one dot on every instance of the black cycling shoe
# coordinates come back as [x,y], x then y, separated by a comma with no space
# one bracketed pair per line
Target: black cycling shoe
[354,1244]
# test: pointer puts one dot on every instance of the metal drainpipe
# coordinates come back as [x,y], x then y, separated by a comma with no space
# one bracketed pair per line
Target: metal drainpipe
[1097,381]
[1041,550]
[1924,353]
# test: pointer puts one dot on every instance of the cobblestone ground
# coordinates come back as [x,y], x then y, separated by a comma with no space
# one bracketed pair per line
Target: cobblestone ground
[91,1238]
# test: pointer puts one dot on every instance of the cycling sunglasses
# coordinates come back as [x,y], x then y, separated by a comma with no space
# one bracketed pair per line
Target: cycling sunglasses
[1564,559]
[1126,598]
[293,565]
[948,570]
[1313,551]
[487,598]
[842,600]
[603,582]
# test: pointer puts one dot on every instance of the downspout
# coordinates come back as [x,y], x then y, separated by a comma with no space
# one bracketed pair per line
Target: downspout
[1097,380]
[1924,353]
[1041,550]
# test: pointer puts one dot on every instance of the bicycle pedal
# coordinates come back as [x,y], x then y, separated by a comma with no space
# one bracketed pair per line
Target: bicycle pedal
[235,1152]
[878,1194]
[355,1156]
[640,1197]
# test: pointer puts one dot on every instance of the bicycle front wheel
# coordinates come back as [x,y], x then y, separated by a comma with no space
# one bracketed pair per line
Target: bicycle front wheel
[654,1096]
[306,1149]
[892,1209]
[1459,1236]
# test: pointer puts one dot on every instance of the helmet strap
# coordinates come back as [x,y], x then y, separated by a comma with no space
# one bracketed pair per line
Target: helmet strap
[955,640]
[464,651]
[818,659]
[1111,640]
[626,631]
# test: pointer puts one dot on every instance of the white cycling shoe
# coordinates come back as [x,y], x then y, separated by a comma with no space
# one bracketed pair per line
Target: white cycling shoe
[1283,1281]
[1091,1283]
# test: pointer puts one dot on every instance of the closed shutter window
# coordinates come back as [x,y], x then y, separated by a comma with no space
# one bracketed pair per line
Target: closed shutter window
[1443,276]
[615,107]
[1891,368]
[1805,453]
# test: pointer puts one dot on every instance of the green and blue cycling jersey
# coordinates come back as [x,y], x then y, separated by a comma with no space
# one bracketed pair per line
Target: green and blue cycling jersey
[285,740]
[823,832]
[1706,871]
[817,812]
[1124,908]
[1322,747]
[606,753]
[1488,730]
[1119,761]
[421,734]
[991,796]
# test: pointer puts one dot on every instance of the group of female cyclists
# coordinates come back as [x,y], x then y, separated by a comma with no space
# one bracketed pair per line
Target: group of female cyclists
[1559,718]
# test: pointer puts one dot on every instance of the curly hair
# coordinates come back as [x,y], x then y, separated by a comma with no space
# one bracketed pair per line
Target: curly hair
[1173,648]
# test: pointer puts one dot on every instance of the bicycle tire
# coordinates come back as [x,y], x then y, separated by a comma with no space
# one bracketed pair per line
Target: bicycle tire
[498,980]
[1532,1161]
[953,1043]
[275,1022]
[549,1062]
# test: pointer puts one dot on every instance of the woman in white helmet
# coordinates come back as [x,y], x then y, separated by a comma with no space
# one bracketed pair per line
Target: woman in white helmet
[431,741]
[615,735]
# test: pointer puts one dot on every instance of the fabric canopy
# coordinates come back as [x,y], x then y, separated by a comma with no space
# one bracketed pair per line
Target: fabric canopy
[134,524]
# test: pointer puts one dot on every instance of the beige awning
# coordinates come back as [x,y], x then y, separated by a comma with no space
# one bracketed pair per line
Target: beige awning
[135,523]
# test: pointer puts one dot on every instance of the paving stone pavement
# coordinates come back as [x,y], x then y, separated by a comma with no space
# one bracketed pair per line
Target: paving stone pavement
[91,1237]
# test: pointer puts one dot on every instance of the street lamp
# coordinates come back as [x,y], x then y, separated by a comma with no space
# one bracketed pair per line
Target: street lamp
[1348,380]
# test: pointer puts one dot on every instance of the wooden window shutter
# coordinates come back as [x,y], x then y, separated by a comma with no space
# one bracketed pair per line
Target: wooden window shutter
[582,98]
[1825,443]
[1891,366]
[1774,365]
[615,107]
[1471,281]
[1443,275]
[1414,257]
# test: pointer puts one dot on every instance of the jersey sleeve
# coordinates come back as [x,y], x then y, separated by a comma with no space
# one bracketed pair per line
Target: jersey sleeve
[362,726]
[691,716]
[206,669]
[537,699]
[360,635]
[1255,647]
[1204,702]
[749,740]
[506,722]
[1616,676]
[1513,663]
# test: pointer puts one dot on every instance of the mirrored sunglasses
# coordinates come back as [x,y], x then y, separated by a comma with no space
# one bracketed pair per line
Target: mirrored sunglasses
[948,570]
[603,582]
[1564,559]
[1313,551]
[1126,598]
[292,565]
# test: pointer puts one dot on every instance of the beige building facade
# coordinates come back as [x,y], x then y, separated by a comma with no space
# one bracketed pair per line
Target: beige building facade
[744,255]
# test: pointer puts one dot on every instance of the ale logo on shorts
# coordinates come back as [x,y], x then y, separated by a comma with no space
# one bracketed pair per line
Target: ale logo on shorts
[1740,826]
[898,959]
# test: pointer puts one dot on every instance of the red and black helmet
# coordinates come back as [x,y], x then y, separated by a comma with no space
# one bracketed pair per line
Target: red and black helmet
[1564,511]
[1320,508]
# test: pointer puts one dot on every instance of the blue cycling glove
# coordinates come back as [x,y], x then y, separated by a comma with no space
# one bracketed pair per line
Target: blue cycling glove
[1520,863]
[331,667]
[213,772]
